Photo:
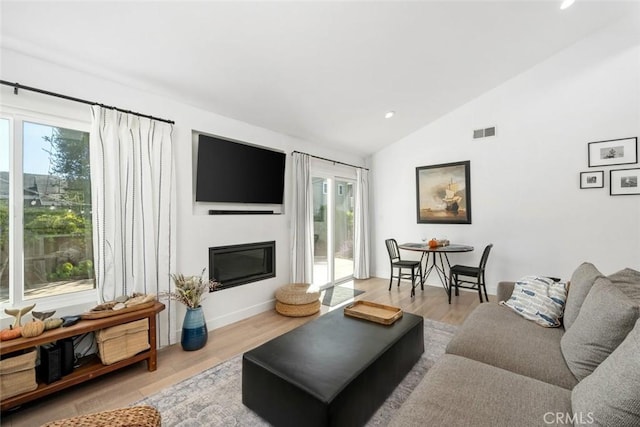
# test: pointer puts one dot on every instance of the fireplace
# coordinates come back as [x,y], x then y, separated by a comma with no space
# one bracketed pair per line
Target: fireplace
[240,264]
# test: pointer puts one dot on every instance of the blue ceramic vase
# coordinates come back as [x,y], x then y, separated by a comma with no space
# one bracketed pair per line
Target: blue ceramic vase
[194,330]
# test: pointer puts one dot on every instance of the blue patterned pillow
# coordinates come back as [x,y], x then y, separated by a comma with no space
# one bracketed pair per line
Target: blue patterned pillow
[539,299]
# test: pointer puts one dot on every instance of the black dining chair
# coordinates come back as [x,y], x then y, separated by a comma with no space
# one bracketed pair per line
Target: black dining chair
[476,272]
[397,262]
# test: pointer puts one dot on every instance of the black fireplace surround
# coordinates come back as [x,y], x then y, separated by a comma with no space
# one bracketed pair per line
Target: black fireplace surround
[240,264]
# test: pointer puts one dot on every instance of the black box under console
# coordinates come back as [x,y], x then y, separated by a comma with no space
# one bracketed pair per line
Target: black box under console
[68,357]
[50,368]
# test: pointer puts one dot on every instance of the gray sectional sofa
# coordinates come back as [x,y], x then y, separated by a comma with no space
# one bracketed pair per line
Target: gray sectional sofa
[503,370]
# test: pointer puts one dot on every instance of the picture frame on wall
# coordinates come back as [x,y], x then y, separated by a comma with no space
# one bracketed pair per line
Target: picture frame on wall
[613,152]
[624,182]
[592,179]
[443,193]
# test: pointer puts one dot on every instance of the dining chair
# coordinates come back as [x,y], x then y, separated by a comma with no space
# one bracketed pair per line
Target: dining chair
[397,262]
[477,273]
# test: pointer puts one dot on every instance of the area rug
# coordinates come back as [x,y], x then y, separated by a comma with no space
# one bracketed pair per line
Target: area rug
[338,294]
[214,396]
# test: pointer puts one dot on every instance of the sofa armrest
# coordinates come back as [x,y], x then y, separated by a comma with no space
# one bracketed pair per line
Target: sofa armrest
[505,289]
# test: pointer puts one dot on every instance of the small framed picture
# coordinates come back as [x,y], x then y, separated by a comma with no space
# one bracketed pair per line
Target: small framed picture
[613,152]
[592,179]
[624,182]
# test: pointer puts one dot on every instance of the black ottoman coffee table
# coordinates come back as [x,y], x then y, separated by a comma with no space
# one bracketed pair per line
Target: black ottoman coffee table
[333,371]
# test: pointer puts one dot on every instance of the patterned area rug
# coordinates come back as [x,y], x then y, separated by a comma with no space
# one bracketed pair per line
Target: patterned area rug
[214,397]
[338,294]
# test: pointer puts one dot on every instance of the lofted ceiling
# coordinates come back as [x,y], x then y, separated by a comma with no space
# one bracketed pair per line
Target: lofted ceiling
[326,72]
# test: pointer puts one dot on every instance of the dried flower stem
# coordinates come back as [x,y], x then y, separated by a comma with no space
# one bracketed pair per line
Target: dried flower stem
[190,290]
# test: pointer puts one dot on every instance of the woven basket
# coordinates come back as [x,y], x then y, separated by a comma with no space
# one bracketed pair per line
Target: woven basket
[297,293]
[139,416]
[18,374]
[123,341]
[299,310]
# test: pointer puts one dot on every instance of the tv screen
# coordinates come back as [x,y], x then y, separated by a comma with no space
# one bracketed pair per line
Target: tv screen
[232,172]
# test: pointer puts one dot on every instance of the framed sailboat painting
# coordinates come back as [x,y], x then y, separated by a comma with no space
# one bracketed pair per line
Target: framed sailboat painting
[443,193]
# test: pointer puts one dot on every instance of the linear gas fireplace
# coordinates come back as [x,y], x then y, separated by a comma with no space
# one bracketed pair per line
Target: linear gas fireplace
[240,264]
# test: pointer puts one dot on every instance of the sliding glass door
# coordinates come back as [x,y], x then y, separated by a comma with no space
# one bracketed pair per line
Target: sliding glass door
[333,205]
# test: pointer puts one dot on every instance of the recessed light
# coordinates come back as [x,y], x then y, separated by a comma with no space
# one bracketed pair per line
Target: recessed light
[389,114]
[566,4]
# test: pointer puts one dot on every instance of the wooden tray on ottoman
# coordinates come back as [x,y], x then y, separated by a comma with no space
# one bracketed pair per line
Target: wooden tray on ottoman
[374,312]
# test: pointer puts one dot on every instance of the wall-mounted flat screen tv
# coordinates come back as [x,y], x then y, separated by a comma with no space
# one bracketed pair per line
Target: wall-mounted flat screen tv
[232,172]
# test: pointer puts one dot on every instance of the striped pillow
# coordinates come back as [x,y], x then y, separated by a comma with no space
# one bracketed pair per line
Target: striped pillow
[539,299]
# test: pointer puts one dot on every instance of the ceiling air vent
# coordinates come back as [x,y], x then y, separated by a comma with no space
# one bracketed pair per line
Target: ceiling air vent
[484,133]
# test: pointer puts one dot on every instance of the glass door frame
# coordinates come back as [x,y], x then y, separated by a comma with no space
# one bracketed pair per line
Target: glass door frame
[331,178]
[338,180]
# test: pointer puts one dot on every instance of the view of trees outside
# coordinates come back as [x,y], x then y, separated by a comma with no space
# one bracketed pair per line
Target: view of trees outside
[57,241]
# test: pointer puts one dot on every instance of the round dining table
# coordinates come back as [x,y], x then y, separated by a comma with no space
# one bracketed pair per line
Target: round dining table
[439,259]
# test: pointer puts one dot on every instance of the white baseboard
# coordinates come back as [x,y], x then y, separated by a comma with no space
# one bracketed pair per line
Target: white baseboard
[238,315]
[230,318]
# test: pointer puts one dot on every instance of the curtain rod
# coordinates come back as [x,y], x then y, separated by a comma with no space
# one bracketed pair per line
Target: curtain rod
[329,160]
[17,86]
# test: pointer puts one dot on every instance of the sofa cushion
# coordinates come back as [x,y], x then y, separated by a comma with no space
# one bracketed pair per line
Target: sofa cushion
[495,335]
[611,393]
[581,282]
[504,291]
[606,317]
[462,392]
[628,281]
[539,299]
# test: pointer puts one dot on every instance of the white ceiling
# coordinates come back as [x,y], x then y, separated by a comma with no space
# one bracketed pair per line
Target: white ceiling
[326,72]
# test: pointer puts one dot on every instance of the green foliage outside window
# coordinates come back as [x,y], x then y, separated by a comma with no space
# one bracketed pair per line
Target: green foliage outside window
[57,227]
[48,223]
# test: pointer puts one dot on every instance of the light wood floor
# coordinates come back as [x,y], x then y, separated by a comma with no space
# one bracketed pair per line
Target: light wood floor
[128,385]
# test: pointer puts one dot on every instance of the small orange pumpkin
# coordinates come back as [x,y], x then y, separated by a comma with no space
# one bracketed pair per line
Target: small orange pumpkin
[10,333]
[433,243]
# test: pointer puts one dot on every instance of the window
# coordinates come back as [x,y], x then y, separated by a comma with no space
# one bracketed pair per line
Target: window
[46,240]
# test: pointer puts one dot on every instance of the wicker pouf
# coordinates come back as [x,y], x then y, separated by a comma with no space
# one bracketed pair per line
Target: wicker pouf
[300,310]
[139,416]
[297,300]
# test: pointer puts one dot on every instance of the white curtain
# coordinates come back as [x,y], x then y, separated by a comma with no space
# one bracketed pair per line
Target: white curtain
[361,242]
[133,197]
[302,221]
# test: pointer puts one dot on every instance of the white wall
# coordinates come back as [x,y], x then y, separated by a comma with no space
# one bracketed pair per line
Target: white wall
[525,191]
[524,182]
[196,231]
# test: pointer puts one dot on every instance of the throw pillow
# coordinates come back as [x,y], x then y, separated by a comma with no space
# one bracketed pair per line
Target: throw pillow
[580,285]
[606,317]
[610,395]
[540,299]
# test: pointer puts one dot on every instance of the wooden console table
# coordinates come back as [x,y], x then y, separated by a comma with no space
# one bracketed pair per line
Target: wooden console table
[93,368]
